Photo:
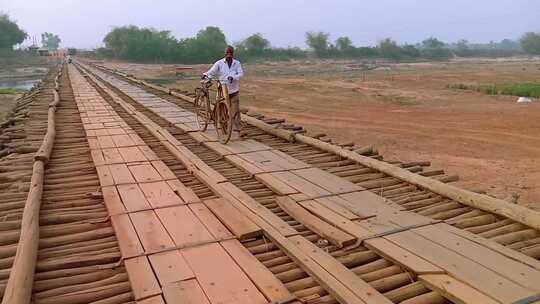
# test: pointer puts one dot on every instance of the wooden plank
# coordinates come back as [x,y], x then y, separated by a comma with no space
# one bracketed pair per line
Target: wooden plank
[93,143]
[253,209]
[142,279]
[132,154]
[128,241]
[211,222]
[97,157]
[183,226]
[367,204]
[160,194]
[334,184]
[151,232]
[132,197]
[237,147]
[273,161]
[513,254]
[220,278]
[144,172]
[184,192]
[275,184]
[122,140]
[380,225]
[233,219]
[325,230]
[348,278]
[148,153]
[335,219]
[244,164]
[455,290]
[460,267]
[401,256]
[163,170]
[105,176]
[330,203]
[152,300]
[112,156]
[170,267]
[319,273]
[185,292]
[264,279]
[121,174]
[137,140]
[112,200]
[303,186]
[518,272]
[105,142]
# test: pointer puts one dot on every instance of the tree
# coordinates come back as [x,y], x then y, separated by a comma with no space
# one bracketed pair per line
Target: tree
[462,45]
[344,46]
[433,48]
[388,48]
[530,42]
[432,43]
[255,45]
[410,51]
[318,42]
[141,44]
[10,33]
[508,44]
[208,45]
[50,41]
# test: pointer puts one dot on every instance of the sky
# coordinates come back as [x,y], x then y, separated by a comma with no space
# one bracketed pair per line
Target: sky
[84,23]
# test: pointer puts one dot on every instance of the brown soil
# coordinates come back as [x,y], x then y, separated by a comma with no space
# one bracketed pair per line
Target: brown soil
[406,111]
[7,101]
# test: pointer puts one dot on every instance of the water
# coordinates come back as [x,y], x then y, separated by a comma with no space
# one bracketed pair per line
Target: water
[26,84]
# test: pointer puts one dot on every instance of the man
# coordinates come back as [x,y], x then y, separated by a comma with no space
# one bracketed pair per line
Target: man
[229,72]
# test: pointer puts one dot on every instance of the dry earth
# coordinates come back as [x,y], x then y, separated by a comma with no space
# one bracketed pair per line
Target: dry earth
[406,112]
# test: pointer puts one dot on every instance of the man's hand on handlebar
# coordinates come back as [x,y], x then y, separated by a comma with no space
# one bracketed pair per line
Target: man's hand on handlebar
[204,76]
[230,79]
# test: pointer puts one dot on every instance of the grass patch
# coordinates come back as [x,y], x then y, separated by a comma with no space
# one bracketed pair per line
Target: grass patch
[525,89]
[9,91]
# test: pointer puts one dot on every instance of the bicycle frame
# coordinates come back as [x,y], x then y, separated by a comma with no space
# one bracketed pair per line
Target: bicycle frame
[217,110]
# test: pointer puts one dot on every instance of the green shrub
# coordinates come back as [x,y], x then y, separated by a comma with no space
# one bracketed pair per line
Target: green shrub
[8,91]
[526,89]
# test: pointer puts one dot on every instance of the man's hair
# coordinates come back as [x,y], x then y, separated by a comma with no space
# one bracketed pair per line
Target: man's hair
[230,47]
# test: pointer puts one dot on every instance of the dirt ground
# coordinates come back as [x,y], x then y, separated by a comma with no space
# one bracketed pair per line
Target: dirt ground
[7,101]
[405,111]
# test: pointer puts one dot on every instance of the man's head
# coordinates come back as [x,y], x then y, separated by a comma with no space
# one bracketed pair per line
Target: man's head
[229,52]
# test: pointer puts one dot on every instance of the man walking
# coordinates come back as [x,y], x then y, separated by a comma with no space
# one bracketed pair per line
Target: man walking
[229,72]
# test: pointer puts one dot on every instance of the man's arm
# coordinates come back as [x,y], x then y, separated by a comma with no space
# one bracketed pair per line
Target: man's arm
[239,73]
[213,70]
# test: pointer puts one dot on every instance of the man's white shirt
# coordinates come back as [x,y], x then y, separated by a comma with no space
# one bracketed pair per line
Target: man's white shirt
[222,71]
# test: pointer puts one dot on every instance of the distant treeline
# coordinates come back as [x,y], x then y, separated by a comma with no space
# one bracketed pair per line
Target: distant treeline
[150,45]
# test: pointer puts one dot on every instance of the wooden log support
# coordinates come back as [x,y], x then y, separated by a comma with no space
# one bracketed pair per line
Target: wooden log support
[287,135]
[19,285]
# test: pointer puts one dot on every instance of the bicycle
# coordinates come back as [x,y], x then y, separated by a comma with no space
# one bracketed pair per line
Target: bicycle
[216,111]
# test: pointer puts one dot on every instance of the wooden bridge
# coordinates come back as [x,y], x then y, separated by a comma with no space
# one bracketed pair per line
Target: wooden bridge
[110,194]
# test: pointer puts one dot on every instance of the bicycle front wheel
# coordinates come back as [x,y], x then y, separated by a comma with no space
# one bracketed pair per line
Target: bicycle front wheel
[202,110]
[224,122]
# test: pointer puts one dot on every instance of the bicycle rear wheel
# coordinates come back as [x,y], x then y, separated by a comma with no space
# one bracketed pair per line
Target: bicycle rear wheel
[202,110]
[224,122]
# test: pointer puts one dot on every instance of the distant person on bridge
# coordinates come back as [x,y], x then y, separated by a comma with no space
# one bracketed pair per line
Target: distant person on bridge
[229,72]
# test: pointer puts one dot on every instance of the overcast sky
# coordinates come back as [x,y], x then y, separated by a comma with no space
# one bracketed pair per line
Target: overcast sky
[84,23]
